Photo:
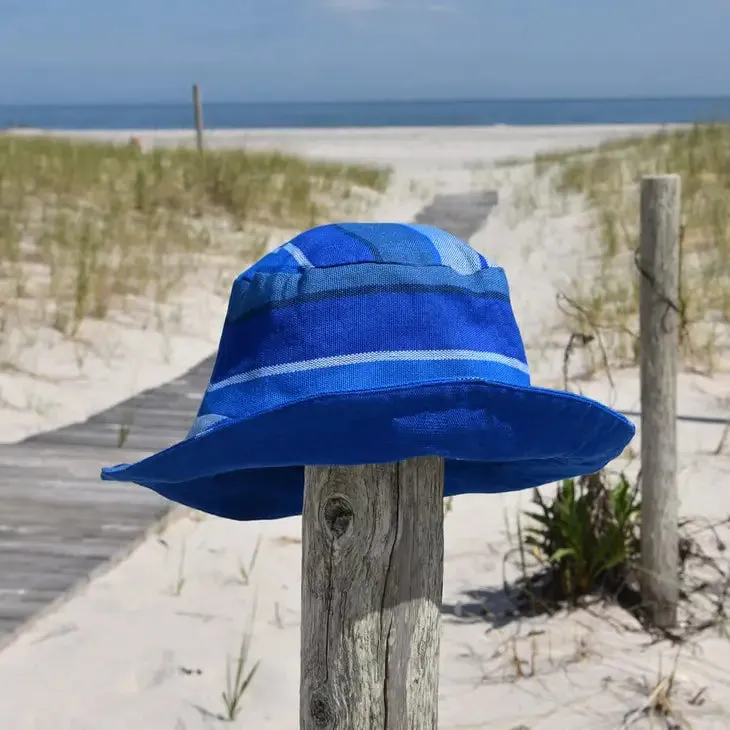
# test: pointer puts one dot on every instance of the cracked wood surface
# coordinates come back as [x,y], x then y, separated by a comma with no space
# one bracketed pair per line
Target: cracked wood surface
[372,579]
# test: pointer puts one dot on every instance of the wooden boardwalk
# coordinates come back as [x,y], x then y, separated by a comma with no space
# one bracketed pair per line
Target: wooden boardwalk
[59,522]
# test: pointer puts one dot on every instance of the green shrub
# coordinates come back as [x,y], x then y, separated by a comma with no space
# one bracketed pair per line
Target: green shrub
[587,538]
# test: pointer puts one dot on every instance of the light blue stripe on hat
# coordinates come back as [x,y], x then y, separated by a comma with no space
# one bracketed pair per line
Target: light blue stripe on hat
[454,253]
[203,423]
[298,255]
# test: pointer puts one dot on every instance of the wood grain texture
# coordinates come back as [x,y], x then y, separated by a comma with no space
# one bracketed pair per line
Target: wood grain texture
[372,577]
[460,214]
[659,321]
[58,522]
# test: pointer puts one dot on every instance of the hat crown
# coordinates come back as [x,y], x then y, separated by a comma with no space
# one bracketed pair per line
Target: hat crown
[343,244]
[356,307]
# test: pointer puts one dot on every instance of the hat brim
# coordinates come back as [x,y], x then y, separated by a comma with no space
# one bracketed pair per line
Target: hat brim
[494,438]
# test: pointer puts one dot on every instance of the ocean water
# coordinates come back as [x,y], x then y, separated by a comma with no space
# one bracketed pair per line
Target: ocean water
[369,114]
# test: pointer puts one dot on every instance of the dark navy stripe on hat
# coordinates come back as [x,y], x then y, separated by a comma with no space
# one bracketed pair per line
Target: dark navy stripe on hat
[396,244]
[269,291]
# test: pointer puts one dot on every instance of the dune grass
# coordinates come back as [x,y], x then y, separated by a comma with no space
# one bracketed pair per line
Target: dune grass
[605,301]
[84,226]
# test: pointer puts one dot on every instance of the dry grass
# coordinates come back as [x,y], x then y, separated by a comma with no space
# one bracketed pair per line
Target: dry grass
[87,228]
[604,303]
[238,681]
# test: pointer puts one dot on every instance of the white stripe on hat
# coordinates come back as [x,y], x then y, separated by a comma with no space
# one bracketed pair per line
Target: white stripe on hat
[369,357]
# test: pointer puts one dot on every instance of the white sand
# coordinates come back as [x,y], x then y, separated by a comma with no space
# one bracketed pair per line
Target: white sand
[131,650]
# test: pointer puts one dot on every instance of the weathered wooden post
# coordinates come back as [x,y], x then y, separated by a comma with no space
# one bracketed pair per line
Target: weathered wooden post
[198,110]
[372,578]
[659,322]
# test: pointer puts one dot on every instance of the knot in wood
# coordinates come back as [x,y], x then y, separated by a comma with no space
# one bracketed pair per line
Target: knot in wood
[320,710]
[338,515]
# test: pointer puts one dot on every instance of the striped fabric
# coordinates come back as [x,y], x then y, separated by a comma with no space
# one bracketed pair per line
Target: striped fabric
[368,343]
[344,306]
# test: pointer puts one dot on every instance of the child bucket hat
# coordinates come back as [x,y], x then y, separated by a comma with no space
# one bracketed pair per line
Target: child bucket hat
[365,343]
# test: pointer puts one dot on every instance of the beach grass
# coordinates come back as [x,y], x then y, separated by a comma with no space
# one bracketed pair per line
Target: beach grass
[603,301]
[85,227]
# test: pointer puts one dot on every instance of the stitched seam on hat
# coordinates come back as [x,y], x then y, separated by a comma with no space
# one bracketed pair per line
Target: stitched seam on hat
[533,391]
[519,390]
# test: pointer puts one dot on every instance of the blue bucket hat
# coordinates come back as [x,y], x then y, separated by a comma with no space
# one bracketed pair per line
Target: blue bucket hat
[367,343]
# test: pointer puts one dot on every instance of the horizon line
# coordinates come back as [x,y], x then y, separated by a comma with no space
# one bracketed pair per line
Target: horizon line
[424,100]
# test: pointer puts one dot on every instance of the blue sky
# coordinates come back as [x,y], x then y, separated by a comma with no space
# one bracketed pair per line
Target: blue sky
[266,50]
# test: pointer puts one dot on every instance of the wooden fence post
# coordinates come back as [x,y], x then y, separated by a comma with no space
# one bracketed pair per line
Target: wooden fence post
[372,579]
[198,108]
[659,323]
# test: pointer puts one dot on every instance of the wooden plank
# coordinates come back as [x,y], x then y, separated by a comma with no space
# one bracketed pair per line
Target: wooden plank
[461,214]
[58,522]
[28,454]
[154,439]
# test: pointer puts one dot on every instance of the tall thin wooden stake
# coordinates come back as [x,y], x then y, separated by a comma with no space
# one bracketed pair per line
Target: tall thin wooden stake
[659,322]
[198,107]
[372,578]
